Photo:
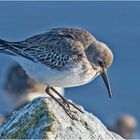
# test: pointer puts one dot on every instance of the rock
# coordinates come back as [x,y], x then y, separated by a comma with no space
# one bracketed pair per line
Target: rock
[43,118]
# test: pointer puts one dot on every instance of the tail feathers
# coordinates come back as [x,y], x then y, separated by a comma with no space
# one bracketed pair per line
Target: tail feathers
[4,47]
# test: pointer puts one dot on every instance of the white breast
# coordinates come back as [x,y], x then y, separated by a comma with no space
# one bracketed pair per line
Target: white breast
[52,77]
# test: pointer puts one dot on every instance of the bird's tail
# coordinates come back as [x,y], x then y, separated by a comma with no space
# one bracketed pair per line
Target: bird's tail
[4,47]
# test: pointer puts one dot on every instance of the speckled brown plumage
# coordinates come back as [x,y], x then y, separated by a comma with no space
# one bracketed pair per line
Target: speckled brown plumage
[62,57]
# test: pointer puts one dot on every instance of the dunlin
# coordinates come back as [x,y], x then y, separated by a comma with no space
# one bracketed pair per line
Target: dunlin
[62,57]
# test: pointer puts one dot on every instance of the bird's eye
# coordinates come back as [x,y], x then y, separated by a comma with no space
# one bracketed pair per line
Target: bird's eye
[100,63]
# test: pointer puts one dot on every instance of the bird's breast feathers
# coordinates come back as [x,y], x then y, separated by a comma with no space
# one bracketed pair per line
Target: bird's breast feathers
[74,76]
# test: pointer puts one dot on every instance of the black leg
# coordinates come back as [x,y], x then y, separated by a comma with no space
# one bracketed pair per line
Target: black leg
[65,102]
[61,104]
[68,103]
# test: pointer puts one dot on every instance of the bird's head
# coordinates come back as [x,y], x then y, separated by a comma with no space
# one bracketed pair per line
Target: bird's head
[100,57]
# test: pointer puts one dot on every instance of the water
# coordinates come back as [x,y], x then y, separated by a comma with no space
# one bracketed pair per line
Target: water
[115,23]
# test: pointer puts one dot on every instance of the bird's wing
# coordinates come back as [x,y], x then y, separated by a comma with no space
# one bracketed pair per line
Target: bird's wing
[54,49]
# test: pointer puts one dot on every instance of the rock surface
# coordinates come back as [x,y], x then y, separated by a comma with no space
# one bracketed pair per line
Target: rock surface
[43,118]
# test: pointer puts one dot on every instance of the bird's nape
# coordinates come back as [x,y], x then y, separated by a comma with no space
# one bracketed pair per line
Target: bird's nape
[106,81]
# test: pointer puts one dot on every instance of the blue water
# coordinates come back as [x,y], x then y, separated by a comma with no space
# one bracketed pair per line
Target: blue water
[115,23]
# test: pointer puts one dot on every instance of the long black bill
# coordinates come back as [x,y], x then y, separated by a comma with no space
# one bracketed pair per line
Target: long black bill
[106,81]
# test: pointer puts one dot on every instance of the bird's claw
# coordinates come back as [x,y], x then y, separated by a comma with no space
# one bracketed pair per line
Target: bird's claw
[64,103]
[69,113]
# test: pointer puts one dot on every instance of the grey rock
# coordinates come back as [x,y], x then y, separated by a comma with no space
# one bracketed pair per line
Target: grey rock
[43,118]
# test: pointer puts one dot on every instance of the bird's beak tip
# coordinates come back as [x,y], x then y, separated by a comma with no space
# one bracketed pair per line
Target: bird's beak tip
[106,81]
[110,97]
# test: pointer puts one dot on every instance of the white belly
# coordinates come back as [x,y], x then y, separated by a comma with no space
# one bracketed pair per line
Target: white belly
[52,77]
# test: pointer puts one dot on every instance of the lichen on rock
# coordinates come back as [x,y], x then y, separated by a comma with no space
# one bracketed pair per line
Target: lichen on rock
[43,118]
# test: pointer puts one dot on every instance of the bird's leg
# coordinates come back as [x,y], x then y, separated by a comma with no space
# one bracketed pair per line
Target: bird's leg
[62,105]
[64,100]
[68,103]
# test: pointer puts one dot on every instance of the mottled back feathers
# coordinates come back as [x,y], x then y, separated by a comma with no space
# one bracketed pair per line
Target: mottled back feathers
[56,48]
[60,48]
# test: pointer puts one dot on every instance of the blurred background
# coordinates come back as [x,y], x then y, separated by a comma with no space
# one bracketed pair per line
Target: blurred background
[115,23]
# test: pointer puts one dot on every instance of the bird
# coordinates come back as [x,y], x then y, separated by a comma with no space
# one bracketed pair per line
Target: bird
[62,57]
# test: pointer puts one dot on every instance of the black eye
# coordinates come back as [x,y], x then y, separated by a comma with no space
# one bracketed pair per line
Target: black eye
[100,63]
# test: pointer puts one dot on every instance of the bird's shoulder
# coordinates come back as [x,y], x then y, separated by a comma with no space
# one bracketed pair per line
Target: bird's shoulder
[66,40]
[63,36]
[57,47]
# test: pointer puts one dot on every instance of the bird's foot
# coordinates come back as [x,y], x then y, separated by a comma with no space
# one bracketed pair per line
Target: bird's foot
[65,101]
[65,104]
[69,103]
[70,113]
